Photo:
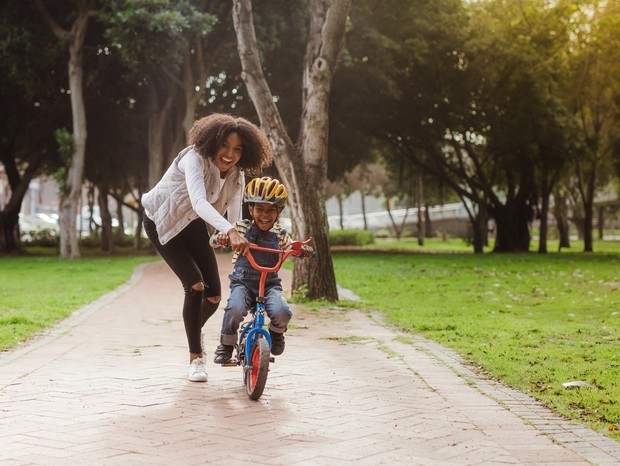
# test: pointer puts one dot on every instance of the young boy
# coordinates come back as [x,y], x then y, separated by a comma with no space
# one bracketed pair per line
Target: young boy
[266,198]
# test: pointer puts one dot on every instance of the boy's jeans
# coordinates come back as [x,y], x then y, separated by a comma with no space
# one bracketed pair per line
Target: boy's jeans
[241,300]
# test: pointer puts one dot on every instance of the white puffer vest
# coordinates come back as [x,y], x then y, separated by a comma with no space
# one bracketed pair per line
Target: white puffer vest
[168,203]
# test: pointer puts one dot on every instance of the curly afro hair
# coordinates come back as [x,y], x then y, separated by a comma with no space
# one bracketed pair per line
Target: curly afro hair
[208,133]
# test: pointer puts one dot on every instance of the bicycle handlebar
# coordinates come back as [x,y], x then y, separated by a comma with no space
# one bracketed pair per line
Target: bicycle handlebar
[296,250]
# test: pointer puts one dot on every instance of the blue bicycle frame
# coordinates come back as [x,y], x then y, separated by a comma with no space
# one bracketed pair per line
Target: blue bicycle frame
[254,327]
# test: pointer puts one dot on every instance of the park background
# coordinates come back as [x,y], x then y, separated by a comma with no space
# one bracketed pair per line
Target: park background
[507,109]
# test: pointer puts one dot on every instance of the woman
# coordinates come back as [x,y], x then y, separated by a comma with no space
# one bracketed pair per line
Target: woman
[204,182]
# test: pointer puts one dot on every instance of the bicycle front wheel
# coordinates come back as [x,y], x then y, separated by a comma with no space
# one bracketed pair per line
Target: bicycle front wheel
[256,376]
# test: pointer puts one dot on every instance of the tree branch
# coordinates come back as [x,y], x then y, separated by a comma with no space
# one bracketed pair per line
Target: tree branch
[58,31]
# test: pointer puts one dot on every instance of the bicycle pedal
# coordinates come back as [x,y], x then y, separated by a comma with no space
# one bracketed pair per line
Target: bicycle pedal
[231,363]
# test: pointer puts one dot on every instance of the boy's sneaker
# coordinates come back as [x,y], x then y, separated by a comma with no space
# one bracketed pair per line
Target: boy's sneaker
[277,343]
[197,370]
[223,353]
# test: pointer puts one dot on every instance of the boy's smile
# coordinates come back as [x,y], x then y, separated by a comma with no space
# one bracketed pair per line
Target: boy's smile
[264,215]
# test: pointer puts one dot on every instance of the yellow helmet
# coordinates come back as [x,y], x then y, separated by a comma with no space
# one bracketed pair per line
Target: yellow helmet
[265,190]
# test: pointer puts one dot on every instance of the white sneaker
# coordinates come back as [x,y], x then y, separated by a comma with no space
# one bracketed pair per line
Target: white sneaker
[197,370]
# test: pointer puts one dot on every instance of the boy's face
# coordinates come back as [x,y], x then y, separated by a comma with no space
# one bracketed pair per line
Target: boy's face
[264,215]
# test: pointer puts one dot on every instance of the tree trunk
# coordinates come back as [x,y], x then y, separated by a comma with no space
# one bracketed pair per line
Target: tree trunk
[92,227]
[68,231]
[69,247]
[512,224]
[388,207]
[544,224]
[588,223]
[303,166]
[157,130]
[120,232]
[479,233]
[588,210]
[189,83]
[137,239]
[363,204]
[601,222]
[398,229]
[73,183]
[340,210]
[478,220]
[107,235]
[420,206]
[563,228]
[560,211]
[428,225]
[9,231]
[9,216]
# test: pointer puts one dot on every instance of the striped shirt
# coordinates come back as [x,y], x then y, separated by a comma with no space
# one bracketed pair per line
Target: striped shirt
[284,239]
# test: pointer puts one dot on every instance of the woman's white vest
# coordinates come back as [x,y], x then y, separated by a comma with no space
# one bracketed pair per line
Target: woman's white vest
[168,203]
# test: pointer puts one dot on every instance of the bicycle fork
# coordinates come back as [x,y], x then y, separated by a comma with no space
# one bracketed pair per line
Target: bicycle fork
[250,331]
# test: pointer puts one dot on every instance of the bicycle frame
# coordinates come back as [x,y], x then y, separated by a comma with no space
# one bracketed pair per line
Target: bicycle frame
[296,250]
[256,325]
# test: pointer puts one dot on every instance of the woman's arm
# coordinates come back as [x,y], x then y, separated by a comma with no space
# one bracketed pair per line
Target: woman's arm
[193,166]
[236,201]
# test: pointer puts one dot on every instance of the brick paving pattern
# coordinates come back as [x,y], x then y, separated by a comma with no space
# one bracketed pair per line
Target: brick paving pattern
[108,386]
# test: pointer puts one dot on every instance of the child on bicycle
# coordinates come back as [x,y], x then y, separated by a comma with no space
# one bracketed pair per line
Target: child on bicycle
[265,198]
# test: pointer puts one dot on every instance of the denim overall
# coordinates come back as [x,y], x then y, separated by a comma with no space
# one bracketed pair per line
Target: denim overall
[244,283]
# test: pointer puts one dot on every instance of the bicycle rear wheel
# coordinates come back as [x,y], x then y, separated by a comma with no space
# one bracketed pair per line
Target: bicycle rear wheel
[256,376]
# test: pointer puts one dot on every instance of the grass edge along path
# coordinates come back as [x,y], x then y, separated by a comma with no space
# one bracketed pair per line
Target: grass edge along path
[533,322]
[38,292]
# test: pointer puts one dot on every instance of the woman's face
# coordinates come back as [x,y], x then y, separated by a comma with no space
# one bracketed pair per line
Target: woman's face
[229,153]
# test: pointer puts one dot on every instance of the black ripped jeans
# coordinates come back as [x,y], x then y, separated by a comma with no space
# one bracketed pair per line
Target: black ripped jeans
[192,260]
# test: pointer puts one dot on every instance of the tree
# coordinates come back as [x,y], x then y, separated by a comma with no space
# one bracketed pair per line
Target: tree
[303,165]
[474,101]
[594,94]
[116,154]
[407,66]
[177,38]
[31,109]
[72,188]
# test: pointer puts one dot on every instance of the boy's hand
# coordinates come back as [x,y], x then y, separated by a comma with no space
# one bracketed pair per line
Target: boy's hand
[221,239]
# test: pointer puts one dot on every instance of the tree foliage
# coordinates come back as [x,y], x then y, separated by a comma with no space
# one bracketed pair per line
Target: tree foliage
[31,106]
[512,105]
[593,94]
[472,94]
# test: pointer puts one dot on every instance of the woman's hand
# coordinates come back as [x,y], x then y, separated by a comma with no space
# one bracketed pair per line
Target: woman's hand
[237,242]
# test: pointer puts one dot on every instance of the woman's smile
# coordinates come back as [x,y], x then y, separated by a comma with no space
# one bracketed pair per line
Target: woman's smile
[229,153]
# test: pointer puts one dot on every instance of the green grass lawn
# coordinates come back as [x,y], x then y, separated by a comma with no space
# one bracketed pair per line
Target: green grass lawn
[37,292]
[434,245]
[532,321]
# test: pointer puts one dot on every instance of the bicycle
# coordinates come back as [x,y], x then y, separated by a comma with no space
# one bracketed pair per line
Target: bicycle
[253,350]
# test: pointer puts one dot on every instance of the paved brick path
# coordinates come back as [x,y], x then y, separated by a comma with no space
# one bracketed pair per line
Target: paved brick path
[109,387]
